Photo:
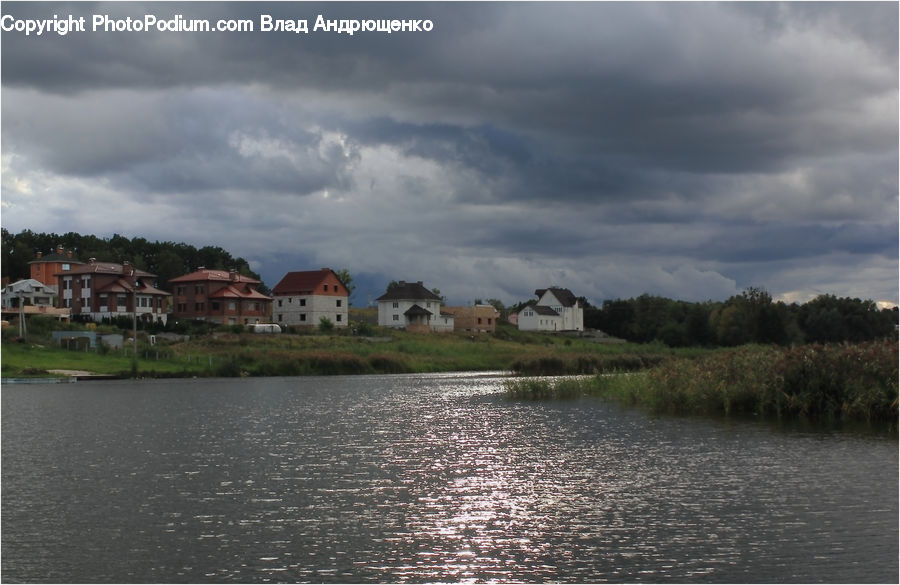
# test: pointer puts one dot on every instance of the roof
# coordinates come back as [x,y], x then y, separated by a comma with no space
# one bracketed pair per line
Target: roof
[214,274]
[417,311]
[57,256]
[304,282]
[409,291]
[563,295]
[122,285]
[540,309]
[110,268]
[29,285]
[234,292]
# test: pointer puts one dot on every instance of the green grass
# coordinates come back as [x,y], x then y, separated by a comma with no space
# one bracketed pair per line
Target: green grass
[20,360]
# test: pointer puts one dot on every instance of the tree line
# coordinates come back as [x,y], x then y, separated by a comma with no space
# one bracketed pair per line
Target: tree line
[165,259]
[751,317]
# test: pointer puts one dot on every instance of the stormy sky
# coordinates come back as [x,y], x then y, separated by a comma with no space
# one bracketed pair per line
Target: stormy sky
[688,150]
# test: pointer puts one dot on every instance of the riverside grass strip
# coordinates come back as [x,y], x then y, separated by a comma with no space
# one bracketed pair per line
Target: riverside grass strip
[229,353]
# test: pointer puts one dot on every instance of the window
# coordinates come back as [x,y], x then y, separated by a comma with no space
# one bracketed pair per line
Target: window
[280,317]
[339,302]
[67,284]
[479,320]
[85,282]
[325,287]
[179,291]
[232,306]
[302,302]
[396,305]
[198,289]
[338,317]
[66,267]
[303,316]
[215,305]
[84,303]
[279,302]
[396,317]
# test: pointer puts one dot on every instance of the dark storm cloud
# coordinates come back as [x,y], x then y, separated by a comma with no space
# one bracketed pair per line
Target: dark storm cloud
[703,137]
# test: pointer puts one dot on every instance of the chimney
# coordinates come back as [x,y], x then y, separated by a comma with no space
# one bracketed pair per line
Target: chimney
[232,274]
[39,254]
[59,249]
[402,283]
[69,254]
[420,283]
[91,260]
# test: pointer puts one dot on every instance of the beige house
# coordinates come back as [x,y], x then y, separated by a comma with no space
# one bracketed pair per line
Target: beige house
[474,319]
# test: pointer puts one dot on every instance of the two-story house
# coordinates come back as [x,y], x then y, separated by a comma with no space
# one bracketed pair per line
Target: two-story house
[411,306]
[99,290]
[306,297]
[219,296]
[556,309]
[29,292]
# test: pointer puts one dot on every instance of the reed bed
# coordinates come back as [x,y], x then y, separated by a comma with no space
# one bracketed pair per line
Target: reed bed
[844,382]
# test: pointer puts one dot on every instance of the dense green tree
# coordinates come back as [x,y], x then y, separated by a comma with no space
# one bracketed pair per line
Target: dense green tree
[347,280]
[828,318]
[165,259]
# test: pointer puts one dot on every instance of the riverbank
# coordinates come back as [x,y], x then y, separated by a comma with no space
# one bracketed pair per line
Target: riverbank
[230,354]
[841,382]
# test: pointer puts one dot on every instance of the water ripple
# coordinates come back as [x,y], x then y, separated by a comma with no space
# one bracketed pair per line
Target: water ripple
[423,479]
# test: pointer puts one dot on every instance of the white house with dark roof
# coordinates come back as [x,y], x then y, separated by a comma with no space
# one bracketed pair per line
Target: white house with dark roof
[556,309]
[411,306]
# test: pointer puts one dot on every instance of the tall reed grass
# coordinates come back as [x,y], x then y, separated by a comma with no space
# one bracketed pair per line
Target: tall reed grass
[818,382]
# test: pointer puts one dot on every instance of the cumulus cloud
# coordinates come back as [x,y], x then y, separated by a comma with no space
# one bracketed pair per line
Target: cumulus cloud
[687,150]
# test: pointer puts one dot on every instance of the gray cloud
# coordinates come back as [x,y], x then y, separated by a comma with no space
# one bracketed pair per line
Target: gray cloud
[678,149]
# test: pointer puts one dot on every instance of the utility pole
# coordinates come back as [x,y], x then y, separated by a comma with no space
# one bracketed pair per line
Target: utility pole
[23,330]
[134,365]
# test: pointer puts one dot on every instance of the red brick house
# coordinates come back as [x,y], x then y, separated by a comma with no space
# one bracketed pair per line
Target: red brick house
[305,297]
[219,296]
[44,268]
[99,290]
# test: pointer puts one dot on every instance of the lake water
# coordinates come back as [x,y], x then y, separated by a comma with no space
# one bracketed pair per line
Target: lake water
[419,478]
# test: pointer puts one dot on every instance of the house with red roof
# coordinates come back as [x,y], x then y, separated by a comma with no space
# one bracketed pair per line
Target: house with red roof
[101,290]
[306,297]
[220,296]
